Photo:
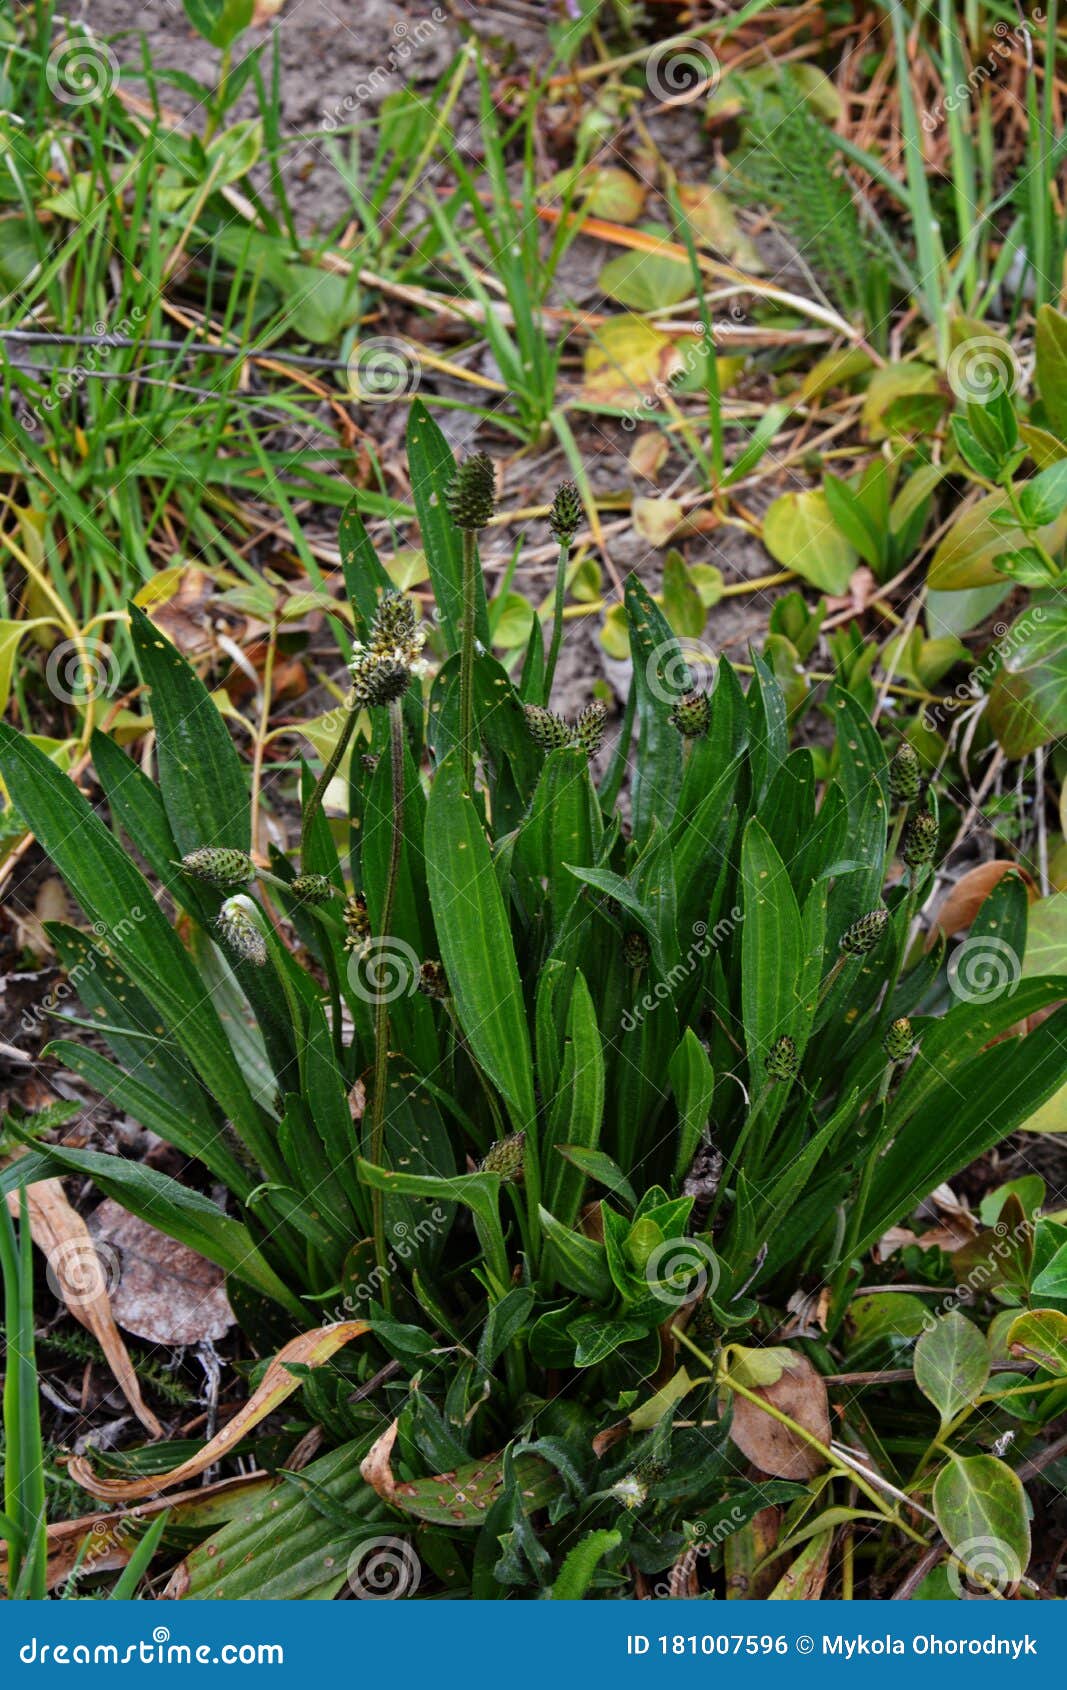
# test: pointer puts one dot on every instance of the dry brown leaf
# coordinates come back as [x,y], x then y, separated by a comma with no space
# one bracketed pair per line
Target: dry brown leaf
[311,1349]
[376,1467]
[82,1278]
[808,1314]
[776,1449]
[164,1293]
[962,902]
[648,454]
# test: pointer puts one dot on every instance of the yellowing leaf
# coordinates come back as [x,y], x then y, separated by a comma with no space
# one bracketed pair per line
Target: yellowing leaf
[656,519]
[615,195]
[648,454]
[800,534]
[406,569]
[895,381]
[10,635]
[835,370]
[628,362]
[715,223]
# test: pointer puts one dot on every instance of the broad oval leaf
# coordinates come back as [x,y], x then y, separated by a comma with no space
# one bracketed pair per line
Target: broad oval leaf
[951,1364]
[981,1509]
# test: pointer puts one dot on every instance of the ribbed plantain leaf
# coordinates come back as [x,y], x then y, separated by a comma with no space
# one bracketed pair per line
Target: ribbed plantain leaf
[474,938]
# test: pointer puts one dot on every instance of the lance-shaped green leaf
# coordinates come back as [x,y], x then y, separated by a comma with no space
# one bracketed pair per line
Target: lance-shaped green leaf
[475,943]
[576,1112]
[175,1209]
[200,774]
[479,1192]
[772,949]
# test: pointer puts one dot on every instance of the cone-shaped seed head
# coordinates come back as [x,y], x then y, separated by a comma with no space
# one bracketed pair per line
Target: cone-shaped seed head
[690,714]
[220,866]
[546,729]
[565,517]
[472,495]
[865,933]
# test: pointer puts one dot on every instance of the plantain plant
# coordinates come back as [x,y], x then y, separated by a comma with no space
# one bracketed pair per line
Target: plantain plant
[554,1080]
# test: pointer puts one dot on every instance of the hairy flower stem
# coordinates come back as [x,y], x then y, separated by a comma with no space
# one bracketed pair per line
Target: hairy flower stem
[466,660]
[894,838]
[557,618]
[915,876]
[381,1007]
[330,768]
